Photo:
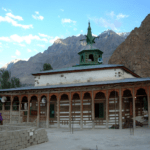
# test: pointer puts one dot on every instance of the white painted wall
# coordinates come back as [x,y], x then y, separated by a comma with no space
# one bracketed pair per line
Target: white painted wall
[81,77]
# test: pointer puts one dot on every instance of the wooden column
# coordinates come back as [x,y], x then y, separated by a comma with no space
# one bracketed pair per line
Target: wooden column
[11,99]
[38,112]
[148,99]
[28,112]
[81,111]
[120,109]
[133,109]
[47,114]
[93,118]
[70,111]
[58,112]
[3,110]
[19,108]
[107,109]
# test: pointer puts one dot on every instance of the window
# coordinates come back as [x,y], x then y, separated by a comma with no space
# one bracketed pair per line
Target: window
[82,58]
[91,57]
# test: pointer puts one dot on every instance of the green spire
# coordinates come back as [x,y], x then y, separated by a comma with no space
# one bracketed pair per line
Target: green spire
[89,34]
[89,38]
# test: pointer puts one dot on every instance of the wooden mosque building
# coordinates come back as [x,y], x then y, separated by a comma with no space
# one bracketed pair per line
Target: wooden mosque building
[88,95]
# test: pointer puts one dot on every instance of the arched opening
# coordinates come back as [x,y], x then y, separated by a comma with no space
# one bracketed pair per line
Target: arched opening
[100,109]
[87,110]
[76,115]
[43,110]
[91,58]
[114,109]
[127,108]
[7,105]
[53,110]
[33,109]
[64,110]
[100,95]
[24,109]
[141,106]
[15,110]
[15,104]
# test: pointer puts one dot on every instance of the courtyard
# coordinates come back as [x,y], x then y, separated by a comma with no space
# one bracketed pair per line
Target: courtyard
[90,139]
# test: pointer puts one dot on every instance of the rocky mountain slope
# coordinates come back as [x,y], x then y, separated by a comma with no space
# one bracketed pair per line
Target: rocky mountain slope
[64,53]
[134,52]
[10,64]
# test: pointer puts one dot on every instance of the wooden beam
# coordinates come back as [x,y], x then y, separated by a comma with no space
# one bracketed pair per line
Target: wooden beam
[148,96]
[81,111]
[28,112]
[70,111]
[120,109]
[93,118]
[11,99]
[19,107]
[58,112]
[38,112]
[133,109]
[84,88]
[107,108]
[47,114]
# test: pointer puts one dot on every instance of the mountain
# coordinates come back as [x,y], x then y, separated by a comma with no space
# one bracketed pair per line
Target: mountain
[10,64]
[124,34]
[134,52]
[64,53]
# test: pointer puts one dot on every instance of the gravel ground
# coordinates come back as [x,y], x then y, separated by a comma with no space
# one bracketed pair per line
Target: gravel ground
[88,139]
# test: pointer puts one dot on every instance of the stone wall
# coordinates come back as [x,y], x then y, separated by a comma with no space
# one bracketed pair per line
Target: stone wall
[82,77]
[19,137]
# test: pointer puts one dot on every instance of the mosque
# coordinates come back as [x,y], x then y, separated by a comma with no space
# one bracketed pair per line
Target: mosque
[87,95]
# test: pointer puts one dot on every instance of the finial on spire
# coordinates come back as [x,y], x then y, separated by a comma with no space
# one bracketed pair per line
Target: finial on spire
[89,38]
[89,25]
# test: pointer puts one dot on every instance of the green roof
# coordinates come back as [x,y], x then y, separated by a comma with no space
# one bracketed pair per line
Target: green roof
[89,47]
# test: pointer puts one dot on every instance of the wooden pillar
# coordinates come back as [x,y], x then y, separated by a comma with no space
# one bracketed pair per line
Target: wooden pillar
[93,118]
[107,109]
[58,112]
[133,109]
[38,112]
[28,112]
[47,114]
[70,108]
[3,110]
[120,109]
[19,108]
[81,111]
[148,99]
[11,99]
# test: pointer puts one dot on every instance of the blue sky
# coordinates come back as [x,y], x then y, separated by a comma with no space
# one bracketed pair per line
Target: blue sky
[31,26]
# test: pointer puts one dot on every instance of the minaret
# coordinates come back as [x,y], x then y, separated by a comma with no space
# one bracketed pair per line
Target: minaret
[90,55]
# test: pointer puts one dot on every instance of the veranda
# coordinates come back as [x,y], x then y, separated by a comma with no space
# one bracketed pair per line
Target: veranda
[99,106]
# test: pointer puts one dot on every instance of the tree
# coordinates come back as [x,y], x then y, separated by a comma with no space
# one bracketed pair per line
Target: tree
[6,81]
[47,66]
